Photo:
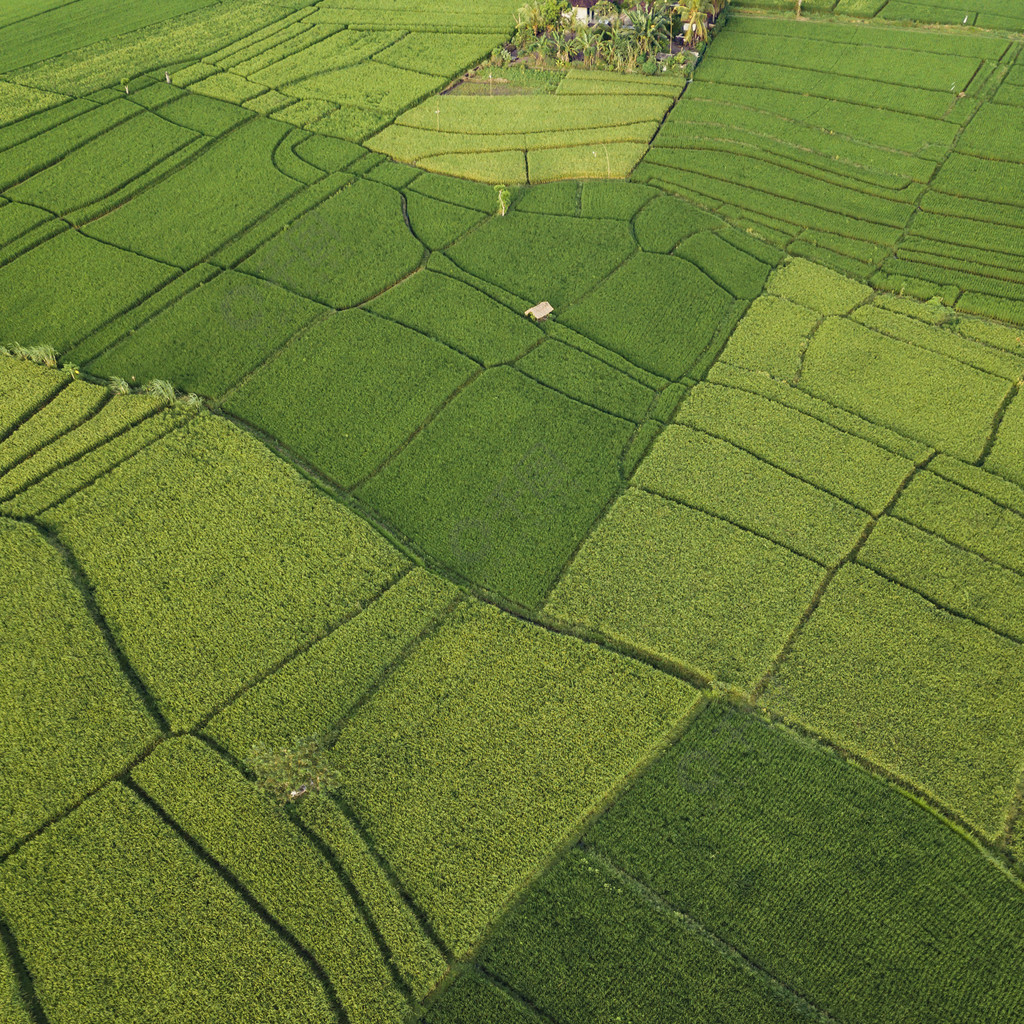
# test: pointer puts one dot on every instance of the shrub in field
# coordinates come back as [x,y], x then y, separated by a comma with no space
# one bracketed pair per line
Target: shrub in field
[287,774]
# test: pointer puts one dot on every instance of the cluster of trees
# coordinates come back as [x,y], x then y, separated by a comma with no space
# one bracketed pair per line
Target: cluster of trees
[618,36]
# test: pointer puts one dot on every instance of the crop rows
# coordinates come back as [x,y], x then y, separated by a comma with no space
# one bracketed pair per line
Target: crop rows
[238,304]
[390,907]
[701,886]
[841,543]
[594,126]
[782,132]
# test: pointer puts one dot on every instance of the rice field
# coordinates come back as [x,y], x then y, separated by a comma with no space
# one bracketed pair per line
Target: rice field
[373,652]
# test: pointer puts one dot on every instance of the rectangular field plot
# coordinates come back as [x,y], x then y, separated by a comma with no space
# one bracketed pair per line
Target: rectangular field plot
[584,135]
[70,286]
[660,328]
[187,216]
[211,337]
[540,257]
[824,454]
[371,382]
[141,919]
[688,588]
[312,693]
[965,583]
[283,564]
[460,316]
[503,482]
[877,669]
[923,394]
[586,944]
[487,748]
[439,53]
[348,249]
[713,476]
[793,858]
[72,718]
[963,514]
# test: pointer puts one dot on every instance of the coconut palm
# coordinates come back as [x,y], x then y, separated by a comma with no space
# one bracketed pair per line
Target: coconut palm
[651,26]
[696,14]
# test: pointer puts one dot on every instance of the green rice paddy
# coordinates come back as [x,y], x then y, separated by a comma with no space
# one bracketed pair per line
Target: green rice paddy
[662,659]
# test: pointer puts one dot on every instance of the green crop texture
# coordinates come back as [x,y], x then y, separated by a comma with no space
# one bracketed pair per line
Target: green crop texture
[681,585]
[488,538]
[384,400]
[52,755]
[875,667]
[469,764]
[663,304]
[223,812]
[146,928]
[700,471]
[590,128]
[741,849]
[189,557]
[511,504]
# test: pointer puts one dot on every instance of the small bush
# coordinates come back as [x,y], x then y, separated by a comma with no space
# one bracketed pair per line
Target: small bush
[286,774]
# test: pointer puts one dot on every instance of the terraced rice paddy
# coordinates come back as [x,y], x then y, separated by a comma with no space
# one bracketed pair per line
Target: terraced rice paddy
[665,655]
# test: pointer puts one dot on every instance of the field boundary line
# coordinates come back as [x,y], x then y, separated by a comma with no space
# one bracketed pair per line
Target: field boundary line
[659,747]
[564,394]
[232,881]
[22,975]
[894,515]
[431,416]
[428,930]
[802,201]
[612,871]
[732,523]
[514,994]
[207,717]
[61,435]
[36,408]
[819,594]
[1018,640]
[110,469]
[432,337]
[81,582]
[431,629]
[768,462]
[156,305]
[39,830]
[344,879]
[997,422]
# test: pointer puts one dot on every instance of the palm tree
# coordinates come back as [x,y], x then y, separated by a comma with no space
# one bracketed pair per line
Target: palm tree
[588,42]
[696,14]
[650,25]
